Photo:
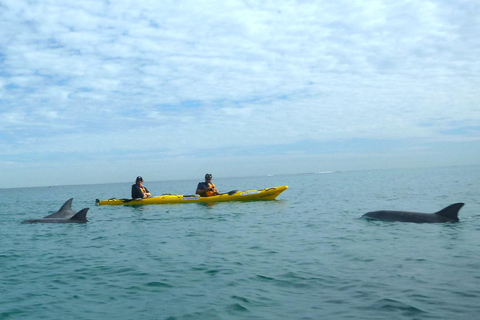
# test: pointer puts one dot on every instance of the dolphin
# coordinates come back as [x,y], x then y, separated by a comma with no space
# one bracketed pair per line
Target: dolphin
[447,214]
[64,215]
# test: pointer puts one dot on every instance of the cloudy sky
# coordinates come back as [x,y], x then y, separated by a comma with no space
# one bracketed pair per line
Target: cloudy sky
[102,91]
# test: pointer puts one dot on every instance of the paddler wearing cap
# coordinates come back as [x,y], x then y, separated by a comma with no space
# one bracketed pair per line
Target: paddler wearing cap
[207,188]
[139,191]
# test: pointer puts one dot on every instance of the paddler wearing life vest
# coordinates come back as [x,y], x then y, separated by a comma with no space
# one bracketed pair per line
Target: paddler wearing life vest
[139,191]
[207,188]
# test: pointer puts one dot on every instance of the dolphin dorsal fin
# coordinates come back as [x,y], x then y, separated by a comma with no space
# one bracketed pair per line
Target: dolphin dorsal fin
[451,211]
[64,212]
[81,215]
[67,205]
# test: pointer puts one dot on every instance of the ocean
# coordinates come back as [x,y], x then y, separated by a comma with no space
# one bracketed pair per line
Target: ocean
[306,255]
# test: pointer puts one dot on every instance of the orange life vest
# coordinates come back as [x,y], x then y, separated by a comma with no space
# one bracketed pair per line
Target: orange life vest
[210,193]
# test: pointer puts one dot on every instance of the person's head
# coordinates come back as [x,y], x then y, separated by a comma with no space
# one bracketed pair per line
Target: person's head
[139,180]
[208,177]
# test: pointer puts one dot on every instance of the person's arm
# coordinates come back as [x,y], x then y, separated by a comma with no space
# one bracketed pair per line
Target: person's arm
[201,189]
[213,188]
[147,193]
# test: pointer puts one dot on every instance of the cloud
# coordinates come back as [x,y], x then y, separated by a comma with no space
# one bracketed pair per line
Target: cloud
[102,79]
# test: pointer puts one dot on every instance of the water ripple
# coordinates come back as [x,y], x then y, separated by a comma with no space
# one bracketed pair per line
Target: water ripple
[308,256]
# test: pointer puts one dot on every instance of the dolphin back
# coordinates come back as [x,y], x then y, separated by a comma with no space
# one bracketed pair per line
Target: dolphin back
[447,214]
[64,215]
[451,212]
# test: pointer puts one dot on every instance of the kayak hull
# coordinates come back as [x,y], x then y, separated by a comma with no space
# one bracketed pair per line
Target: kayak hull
[246,195]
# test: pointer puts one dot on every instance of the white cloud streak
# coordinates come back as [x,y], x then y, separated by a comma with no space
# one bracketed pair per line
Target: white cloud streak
[95,75]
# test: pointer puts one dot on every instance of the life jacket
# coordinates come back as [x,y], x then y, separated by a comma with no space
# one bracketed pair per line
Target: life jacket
[210,193]
[143,189]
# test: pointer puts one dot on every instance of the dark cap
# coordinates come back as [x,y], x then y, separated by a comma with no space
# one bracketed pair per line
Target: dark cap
[208,176]
[138,179]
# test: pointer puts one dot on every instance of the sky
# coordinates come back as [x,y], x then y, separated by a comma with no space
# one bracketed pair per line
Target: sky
[99,91]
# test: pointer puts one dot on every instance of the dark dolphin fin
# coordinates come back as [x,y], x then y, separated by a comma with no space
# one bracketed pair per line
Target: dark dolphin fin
[67,205]
[451,212]
[64,212]
[81,215]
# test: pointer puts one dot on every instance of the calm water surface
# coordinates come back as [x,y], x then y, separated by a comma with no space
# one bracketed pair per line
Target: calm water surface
[306,255]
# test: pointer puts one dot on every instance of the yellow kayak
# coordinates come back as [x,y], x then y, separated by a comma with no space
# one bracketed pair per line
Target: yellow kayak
[247,195]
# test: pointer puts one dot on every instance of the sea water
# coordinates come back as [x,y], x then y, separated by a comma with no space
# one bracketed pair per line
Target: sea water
[306,255]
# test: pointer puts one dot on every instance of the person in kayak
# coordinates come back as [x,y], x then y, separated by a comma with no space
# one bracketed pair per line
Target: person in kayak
[139,191]
[207,188]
